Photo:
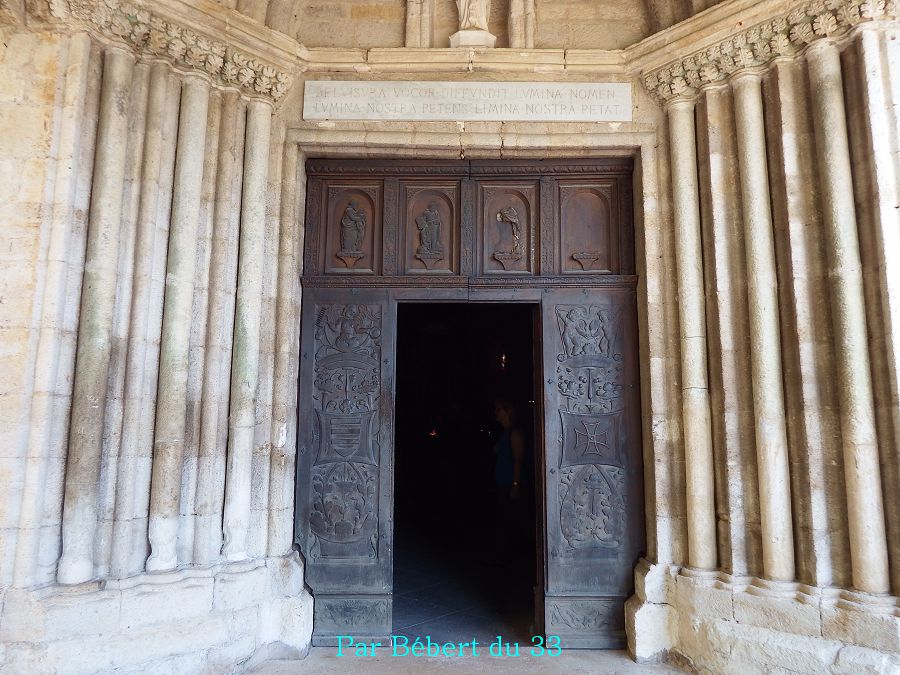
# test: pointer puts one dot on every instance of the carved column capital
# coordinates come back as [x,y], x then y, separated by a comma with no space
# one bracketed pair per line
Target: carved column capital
[143,30]
[785,35]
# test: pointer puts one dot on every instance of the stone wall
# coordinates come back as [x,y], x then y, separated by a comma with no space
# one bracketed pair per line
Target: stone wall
[150,302]
[361,23]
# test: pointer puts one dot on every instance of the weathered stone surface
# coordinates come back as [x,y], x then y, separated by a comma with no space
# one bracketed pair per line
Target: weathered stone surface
[877,628]
[183,622]
[798,615]
[651,630]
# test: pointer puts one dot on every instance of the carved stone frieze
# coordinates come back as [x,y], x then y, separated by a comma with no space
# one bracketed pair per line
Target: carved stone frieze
[136,25]
[784,35]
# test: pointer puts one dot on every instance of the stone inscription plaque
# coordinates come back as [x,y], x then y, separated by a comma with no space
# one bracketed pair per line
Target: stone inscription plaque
[468,101]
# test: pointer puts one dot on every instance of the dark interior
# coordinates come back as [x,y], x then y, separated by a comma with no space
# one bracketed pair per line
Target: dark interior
[463,567]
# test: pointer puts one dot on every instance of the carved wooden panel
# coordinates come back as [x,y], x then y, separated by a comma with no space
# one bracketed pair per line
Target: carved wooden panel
[353,228]
[314,226]
[548,234]
[344,484]
[594,499]
[589,233]
[431,232]
[468,216]
[391,227]
[509,219]
[507,225]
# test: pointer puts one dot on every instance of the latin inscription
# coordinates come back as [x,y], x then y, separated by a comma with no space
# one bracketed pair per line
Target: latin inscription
[490,101]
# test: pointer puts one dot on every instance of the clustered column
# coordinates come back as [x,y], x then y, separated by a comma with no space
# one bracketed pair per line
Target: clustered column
[170,149]
[862,475]
[168,443]
[772,366]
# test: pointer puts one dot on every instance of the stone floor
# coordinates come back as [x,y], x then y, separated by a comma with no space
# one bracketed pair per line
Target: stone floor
[461,599]
[323,660]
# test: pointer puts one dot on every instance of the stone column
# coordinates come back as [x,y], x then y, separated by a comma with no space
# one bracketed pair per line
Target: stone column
[126,483]
[865,511]
[50,359]
[426,24]
[248,313]
[820,528]
[697,432]
[168,440]
[413,20]
[219,333]
[728,341]
[516,24]
[418,23]
[80,507]
[529,24]
[284,397]
[765,339]
[879,66]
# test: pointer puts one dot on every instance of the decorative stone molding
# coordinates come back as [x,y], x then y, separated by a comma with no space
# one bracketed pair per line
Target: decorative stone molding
[148,33]
[785,35]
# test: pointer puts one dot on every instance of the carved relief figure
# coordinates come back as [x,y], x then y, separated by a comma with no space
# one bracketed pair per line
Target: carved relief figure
[429,226]
[585,334]
[353,231]
[510,216]
[431,249]
[353,228]
[473,14]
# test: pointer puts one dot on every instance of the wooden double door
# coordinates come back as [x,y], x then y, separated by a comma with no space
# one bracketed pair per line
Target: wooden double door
[554,234]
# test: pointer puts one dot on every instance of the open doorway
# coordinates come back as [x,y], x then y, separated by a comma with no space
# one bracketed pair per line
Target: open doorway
[467,556]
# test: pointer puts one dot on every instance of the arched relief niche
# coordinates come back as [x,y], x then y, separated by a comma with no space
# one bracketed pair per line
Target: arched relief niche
[431,228]
[353,229]
[589,244]
[508,227]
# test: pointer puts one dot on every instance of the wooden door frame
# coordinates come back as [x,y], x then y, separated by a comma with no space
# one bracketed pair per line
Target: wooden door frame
[528,289]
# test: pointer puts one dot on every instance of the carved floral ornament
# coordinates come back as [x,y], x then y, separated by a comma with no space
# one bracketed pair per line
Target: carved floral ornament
[785,35]
[151,34]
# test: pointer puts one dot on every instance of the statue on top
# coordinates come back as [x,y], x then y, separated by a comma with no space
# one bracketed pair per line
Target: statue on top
[473,14]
